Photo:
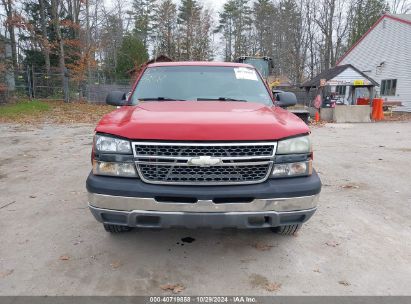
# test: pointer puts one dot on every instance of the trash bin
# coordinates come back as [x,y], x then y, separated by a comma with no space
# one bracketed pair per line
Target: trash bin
[363,101]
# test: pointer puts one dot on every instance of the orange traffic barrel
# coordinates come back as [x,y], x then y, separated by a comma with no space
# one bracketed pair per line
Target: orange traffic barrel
[377,109]
[317,116]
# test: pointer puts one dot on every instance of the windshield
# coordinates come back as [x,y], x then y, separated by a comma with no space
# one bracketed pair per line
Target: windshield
[197,83]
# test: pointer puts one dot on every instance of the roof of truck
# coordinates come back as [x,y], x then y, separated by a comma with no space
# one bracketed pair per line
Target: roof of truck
[200,63]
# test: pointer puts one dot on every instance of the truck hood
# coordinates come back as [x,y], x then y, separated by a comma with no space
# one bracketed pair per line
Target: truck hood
[202,120]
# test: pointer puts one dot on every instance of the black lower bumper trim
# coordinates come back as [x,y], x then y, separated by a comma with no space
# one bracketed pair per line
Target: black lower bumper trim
[278,188]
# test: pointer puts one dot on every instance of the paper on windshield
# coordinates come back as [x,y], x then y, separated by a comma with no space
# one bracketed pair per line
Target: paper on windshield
[245,73]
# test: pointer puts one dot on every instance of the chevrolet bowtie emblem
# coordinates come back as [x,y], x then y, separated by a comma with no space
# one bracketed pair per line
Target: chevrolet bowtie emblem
[204,161]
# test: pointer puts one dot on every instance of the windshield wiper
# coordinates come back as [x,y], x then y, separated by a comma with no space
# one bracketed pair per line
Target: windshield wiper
[159,99]
[221,99]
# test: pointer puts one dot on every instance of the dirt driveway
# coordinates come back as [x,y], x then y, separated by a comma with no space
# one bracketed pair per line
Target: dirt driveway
[359,241]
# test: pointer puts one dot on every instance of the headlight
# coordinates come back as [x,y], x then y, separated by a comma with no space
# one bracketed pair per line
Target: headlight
[114,169]
[292,169]
[301,144]
[112,144]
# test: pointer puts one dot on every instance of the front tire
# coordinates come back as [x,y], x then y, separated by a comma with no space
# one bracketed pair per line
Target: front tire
[287,229]
[116,228]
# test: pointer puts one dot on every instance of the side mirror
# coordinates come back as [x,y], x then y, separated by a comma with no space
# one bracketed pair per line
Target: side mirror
[286,99]
[116,98]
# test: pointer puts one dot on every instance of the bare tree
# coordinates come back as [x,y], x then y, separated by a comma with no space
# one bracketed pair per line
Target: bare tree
[302,36]
[45,44]
[202,42]
[143,17]
[165,29]
[333,25]
[311,28]
[263,14]
[56,25]
[10,13]
[236,26]
[400,6]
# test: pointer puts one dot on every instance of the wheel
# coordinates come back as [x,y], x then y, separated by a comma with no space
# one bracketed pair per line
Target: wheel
[287,229]
[116,228]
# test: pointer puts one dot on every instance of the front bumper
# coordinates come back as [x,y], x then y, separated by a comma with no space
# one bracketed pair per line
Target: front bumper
[131,202]
[123,203]
[158,219]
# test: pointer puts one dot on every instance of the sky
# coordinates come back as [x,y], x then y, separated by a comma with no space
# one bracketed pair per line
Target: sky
[216,5]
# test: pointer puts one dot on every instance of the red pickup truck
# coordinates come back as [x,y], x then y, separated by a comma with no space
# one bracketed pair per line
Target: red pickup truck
[202,144]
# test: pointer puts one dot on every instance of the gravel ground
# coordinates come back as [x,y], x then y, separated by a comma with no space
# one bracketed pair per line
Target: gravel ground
[358,243]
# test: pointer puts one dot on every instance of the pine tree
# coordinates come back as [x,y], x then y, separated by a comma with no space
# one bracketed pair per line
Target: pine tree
[143,19]
[165,29]
[235,23]
[226,27]
[111,38]
[202,42]
[188,16]
[131,54]
[263,16]
[363,14]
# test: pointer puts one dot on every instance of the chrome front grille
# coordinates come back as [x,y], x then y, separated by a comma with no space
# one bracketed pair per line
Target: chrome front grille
[203,163]
[214,151]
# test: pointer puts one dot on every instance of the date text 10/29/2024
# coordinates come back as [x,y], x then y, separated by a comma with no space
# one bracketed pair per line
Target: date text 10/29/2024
[202,299]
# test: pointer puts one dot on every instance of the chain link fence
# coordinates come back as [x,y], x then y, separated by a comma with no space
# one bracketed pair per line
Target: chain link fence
[36,83]
[97,88]
[304,97]
[39,84]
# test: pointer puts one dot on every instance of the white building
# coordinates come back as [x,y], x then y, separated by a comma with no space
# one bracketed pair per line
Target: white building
[384,54]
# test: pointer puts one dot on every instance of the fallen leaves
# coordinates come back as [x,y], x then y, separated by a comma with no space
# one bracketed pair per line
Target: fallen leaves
[398,116]
[6,273]
[350,186]
[332,243]
[115,264]
[272,287]
[343,282]
[320,123]
[404,149]
[262,246]
[247,260]
[174,288]
[62,113]
[260,281]
[64,258]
